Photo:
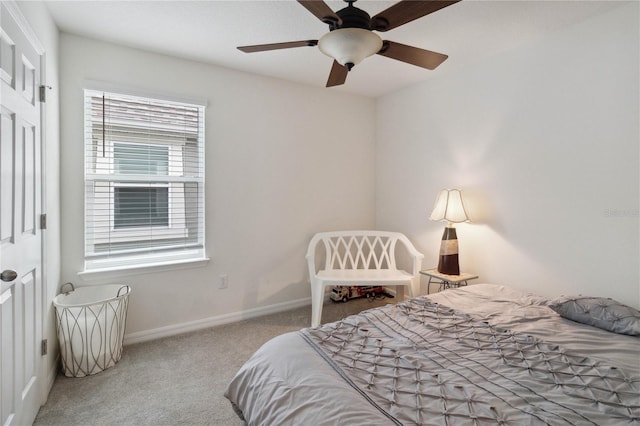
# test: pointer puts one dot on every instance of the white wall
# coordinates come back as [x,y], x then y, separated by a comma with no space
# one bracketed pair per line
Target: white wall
[283,161]
[545,142]
[45,30]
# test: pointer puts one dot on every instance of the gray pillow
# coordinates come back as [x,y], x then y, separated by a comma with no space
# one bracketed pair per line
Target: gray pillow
[599,312]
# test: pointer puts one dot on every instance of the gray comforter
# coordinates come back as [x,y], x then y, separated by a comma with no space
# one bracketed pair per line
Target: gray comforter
[479,355]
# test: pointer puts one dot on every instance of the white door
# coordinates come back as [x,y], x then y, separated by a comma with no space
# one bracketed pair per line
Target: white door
[21,287]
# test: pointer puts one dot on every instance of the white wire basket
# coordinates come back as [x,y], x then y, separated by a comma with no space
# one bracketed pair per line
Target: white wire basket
[90,323]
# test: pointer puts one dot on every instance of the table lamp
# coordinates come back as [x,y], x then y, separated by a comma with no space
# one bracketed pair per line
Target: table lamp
[449,207]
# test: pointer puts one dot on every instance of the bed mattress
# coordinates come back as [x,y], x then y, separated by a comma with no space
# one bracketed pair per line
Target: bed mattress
[483,354]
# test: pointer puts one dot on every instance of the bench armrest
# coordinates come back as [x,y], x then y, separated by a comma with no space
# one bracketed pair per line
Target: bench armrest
[311,255]
[416,256]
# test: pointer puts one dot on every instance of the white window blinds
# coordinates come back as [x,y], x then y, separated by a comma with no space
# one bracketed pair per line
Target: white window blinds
[144,181]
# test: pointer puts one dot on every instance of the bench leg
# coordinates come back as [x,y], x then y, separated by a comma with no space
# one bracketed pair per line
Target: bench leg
[414,287]
[317,300]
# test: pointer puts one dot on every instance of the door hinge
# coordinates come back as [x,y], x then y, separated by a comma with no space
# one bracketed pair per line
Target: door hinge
[44,347]
[43,221]
[43,93]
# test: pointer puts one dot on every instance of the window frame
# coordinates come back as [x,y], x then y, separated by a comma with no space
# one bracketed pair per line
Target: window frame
[165,245]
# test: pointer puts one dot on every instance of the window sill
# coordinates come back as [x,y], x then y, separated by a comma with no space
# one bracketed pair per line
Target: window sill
[128,270]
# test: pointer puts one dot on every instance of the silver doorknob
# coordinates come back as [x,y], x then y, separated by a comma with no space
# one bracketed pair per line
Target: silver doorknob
[8,275]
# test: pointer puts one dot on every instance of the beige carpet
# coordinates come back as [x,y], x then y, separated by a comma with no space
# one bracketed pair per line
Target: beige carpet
[178,380]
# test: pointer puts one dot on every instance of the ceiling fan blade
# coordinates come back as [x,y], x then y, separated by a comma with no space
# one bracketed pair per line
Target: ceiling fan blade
[276,46]
[321,10]
[406,11]
[412,55]
[338,74]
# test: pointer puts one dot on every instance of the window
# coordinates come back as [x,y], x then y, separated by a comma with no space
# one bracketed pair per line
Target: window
[144,181]
[140,207]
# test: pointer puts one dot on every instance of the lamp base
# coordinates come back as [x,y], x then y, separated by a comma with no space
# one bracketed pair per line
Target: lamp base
[448,262]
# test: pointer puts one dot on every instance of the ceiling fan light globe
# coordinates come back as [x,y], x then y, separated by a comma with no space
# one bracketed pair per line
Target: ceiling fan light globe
[350,45]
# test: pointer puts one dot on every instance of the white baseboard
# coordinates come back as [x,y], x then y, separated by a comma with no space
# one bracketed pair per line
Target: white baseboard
[172,330]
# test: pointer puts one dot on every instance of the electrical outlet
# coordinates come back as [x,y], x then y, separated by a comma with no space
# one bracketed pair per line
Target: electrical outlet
[224,281]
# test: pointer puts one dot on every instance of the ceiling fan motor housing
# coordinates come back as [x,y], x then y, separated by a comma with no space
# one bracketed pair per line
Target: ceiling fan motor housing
[353,17]
[353,40]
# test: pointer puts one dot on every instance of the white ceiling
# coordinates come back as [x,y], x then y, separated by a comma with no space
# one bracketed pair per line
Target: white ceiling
[209,31]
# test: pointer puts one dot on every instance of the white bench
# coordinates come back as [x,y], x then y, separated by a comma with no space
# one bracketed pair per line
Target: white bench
[359,258]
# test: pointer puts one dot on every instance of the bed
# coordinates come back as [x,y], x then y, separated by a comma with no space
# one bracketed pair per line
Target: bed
[482,354]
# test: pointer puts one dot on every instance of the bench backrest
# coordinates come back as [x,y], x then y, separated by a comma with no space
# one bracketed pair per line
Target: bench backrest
[358,249]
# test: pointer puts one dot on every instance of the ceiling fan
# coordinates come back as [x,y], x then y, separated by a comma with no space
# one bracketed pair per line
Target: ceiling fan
[351,38]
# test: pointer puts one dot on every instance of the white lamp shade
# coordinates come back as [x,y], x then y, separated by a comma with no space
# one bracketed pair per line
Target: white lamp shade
[449,207]
[350,45]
